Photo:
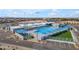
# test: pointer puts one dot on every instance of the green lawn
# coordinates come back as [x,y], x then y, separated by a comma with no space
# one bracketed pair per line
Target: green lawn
[65,36]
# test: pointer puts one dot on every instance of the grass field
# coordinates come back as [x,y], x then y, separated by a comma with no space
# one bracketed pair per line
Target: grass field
[65,36]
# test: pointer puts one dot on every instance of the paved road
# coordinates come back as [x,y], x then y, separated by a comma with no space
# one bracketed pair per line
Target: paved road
[20,43]
[76,26]
[6,46]
[77,32]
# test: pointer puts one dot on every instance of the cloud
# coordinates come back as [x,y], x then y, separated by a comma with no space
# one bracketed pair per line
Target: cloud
[39,13]
[15,13]
[30,12]
[75,14]
[53,13]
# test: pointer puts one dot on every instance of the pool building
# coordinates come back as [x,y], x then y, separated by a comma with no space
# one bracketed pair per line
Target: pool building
[40,32]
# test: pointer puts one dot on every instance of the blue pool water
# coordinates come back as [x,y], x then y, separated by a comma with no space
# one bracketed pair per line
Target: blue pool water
[21,31]
[47,30]
[43,30]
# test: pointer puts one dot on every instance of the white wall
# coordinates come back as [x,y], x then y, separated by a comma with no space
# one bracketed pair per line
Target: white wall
[14,27]
[20,36]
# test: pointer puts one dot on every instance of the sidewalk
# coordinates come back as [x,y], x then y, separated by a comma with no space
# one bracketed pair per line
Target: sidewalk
[74,36]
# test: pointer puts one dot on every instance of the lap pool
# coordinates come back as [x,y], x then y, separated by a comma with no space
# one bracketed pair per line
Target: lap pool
[53,30]
[21,31]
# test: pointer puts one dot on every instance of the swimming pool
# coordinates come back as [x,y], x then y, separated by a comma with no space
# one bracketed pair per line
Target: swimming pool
[44,30]
[53,30]
[21,31]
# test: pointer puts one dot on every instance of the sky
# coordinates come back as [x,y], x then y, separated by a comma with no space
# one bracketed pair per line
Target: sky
[39,13]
